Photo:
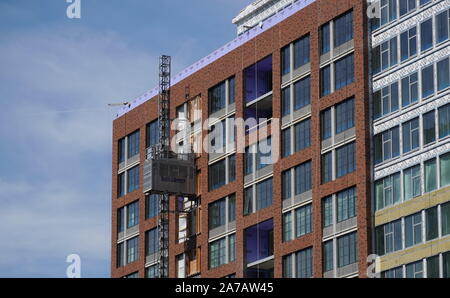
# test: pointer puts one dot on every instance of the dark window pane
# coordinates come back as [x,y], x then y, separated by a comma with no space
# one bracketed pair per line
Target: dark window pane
[343,29]
[426,33]
[301,52]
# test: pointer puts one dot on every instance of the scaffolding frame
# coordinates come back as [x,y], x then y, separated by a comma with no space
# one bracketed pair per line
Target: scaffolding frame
[163,152]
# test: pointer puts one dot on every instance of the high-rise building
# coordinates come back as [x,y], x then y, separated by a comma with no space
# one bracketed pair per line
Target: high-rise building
[355,111]
[411,145]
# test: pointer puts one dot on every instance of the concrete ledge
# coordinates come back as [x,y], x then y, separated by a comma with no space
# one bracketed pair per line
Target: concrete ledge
[412,206]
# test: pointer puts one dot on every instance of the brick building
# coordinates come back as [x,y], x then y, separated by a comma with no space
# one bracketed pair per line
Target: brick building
[307,68]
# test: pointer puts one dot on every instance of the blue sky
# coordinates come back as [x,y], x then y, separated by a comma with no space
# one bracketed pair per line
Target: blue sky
[56,77]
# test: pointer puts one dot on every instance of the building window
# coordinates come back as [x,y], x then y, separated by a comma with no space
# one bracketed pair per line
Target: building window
[258,79]
[122,150]
[414,270]
[411,181]
[430,175]
[346,204]
[386,145]
[217,98]
[344,72]
[132,250]
[152,133]
[433,267]
[133,144]
[343,29]
[443,74]
[133,179]
[303,220]
[328,262]
[220,137]
[325,38]
[218,174]
[384,55]
[410,135]
[406,6]
[232,208]
[325,80]
[232,168]
[261,159]
[133,214]
[286,60]
[120,220]
[410,93]
[408,43]
[301,52]
[327,167]
[286,101]
[429,128]
[302,93]
[446,265]
[232,248]
[286,142]
[216,212]
[392,237]
[287,184]
[345,115]
[325,124]
[248,160]
[413,229]
[303,178]
[442,26]
[304,263]
[302,135]
[345,160]
[120,262]
[152,245]
[264,194]
[218,209]
[151,272]
[384,238]
[445,219]
[263,197]
[151,206]
[248,200]
[387,191]
[347,251]
[385,100]
[432,225]
[218,251]
[121,185]
[388,9]
[427,81]
[231,90]
[287,227]
[444,161]
[423,2]
[426,35]
[287,267]
[180,266]
[327,211]
[263,156]
[393,273]
[444,121]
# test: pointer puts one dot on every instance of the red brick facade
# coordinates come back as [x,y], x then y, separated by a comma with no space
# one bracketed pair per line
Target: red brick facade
[308,20]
